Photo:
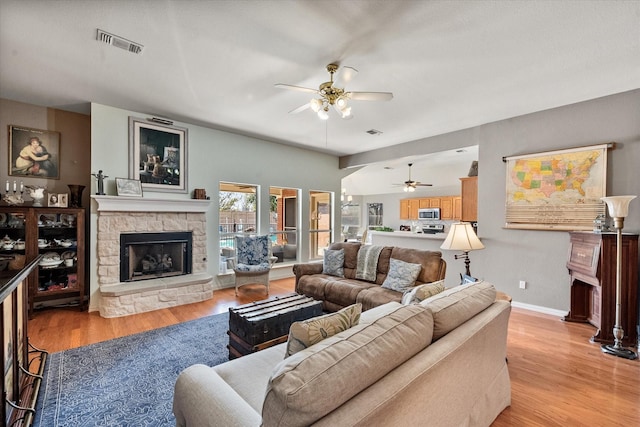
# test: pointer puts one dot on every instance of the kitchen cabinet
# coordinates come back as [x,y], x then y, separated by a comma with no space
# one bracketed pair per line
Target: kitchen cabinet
[409,209]
[429,202]
[457,208]
[446,207]
[469,192]
[58,234]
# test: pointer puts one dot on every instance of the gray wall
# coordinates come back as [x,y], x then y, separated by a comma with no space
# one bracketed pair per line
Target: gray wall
[538,257]
[215,156]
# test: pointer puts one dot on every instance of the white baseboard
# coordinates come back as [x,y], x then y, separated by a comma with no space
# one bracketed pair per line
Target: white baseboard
[539,309]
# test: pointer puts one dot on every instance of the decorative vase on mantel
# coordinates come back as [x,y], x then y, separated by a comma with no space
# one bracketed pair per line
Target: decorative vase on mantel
[75,199]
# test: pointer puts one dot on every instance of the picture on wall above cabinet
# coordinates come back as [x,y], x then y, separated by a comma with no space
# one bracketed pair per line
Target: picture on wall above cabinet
[34,153]
[158,154]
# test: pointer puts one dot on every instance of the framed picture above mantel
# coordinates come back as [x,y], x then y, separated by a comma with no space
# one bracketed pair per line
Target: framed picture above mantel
[158,155]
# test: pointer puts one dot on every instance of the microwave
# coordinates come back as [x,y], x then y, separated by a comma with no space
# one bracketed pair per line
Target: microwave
[432,214]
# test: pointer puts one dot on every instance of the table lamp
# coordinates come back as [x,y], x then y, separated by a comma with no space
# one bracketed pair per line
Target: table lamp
[461,237]
[618,210]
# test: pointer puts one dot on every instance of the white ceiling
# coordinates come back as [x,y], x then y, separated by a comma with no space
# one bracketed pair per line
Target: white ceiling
[450,64]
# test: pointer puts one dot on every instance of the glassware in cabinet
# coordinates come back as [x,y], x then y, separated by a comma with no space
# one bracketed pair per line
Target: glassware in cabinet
[13,238]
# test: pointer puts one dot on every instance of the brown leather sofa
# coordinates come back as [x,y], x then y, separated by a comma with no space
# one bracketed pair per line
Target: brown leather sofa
[339,292]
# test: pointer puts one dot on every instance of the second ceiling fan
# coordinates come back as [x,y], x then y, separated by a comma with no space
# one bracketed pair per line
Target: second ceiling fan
[334,96]
[410,185]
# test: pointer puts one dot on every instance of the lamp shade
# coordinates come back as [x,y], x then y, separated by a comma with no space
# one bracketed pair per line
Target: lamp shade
[461,237]
[618,205]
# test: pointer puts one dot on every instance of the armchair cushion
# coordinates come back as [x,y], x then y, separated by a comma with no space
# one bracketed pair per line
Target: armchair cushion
[253,250]
[263,266]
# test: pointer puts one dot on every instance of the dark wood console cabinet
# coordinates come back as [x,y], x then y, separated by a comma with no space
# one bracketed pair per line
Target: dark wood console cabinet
[592,269]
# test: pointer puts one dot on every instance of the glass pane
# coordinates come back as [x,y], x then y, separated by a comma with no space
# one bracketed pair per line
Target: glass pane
[283,223]
[238,208]
[320,222]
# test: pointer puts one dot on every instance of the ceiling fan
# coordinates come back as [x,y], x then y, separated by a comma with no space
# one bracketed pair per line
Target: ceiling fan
[410,185]
[333,96]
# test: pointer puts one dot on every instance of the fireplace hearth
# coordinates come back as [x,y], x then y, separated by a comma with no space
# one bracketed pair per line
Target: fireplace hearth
[146,256]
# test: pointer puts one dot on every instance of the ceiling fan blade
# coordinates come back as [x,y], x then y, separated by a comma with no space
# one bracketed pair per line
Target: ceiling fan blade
[423,185]
[300,108]
[297,88]
[370,96]
[345,75]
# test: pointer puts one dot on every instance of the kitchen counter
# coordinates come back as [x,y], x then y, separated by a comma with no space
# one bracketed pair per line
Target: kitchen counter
[407,234]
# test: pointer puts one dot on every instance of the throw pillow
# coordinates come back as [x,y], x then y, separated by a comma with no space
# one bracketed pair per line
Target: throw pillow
[308,332]
[333,263]
[422,292]
[401,276]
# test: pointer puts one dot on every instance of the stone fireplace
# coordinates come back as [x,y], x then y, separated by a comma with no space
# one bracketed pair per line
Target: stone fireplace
[177,229]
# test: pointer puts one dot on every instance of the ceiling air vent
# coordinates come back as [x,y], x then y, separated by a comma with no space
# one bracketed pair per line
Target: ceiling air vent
[373,132]
[118,41]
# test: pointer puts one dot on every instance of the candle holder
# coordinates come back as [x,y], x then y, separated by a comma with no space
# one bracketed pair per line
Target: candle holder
[12,197]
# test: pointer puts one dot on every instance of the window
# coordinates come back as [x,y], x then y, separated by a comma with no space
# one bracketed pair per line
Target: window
[283,223]
[321,222]
[238,209]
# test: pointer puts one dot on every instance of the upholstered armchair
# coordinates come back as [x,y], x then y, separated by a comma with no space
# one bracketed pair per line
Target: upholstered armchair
[254,261]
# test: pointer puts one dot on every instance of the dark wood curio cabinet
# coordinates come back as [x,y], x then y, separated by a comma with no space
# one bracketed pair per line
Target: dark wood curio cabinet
[58,235]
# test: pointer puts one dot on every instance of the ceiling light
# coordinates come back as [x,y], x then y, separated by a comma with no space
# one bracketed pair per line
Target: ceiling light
[315,104]
[323,114]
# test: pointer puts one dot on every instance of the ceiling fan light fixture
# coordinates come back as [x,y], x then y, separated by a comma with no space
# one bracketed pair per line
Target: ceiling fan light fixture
[315,104]
[323,114]
[346,112]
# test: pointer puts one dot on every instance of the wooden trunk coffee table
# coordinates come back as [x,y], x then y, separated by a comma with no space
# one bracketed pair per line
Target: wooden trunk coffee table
[262,324]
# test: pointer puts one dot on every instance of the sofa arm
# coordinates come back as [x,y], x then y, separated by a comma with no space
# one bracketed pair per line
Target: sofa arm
[306,269]
[203,399]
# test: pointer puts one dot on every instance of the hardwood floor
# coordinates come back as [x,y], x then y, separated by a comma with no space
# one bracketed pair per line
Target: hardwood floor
[558,378]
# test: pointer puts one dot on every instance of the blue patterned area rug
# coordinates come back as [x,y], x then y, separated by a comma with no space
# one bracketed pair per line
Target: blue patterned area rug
[127,381]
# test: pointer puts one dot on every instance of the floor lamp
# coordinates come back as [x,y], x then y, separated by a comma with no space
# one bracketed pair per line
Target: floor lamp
[618,210]
[461,237]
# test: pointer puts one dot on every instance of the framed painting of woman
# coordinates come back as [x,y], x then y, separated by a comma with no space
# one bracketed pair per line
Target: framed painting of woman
[34,153]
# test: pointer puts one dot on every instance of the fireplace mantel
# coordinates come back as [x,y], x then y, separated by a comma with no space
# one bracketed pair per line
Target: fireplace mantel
[144,204]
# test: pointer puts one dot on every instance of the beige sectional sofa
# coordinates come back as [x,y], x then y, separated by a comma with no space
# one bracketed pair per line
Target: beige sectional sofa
[441,362]
[339,292]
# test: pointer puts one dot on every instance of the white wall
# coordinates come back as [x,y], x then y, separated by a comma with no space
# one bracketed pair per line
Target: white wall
[214,156]
[539,257]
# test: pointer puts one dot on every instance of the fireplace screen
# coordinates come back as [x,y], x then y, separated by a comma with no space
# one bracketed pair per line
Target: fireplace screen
[152,255]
